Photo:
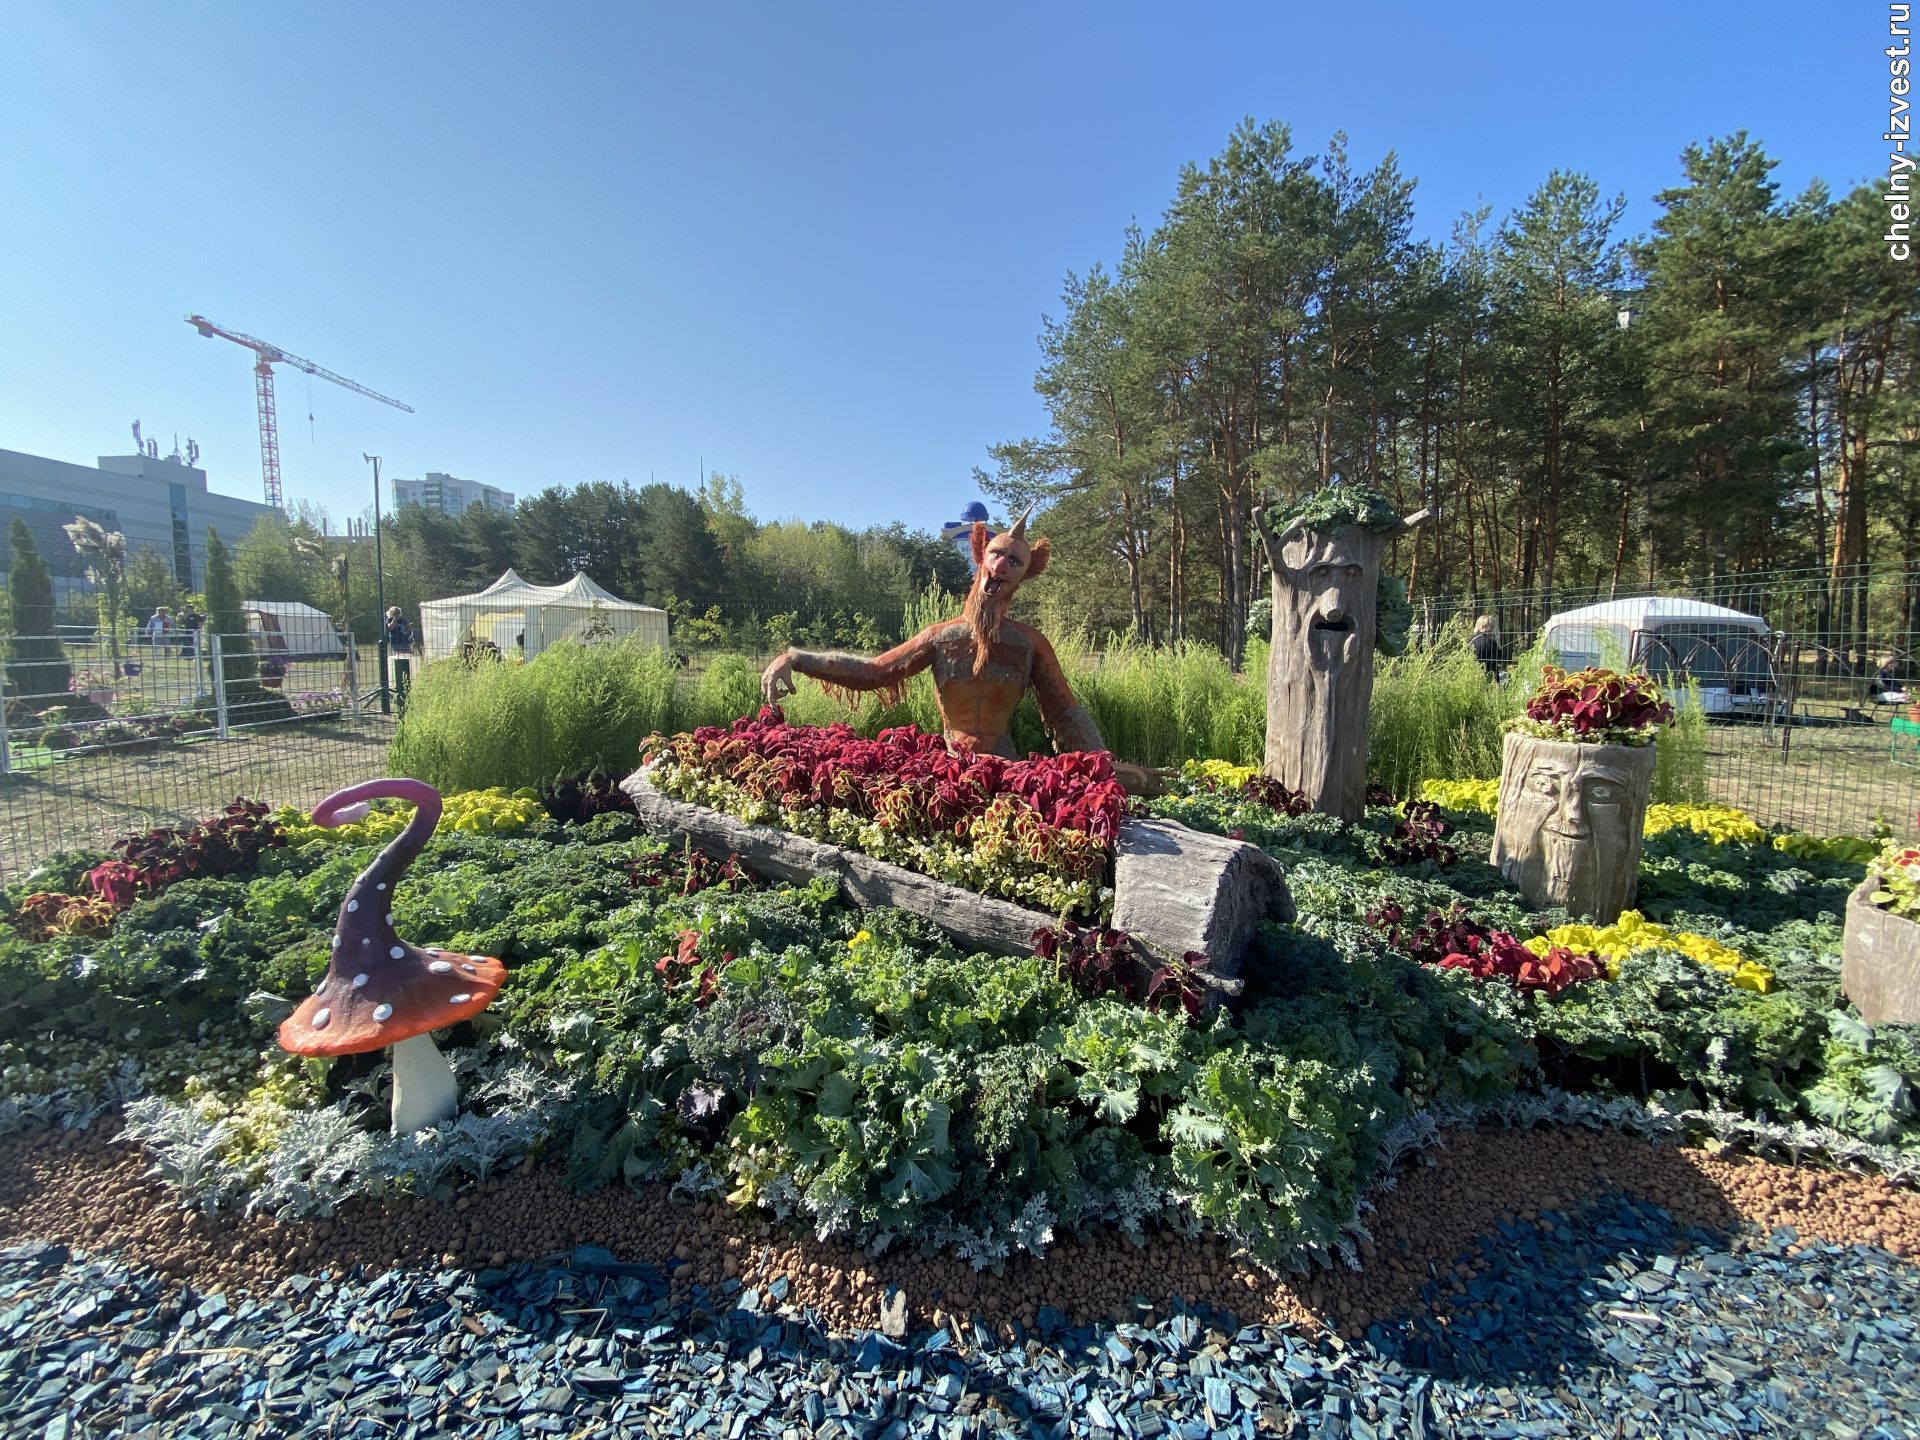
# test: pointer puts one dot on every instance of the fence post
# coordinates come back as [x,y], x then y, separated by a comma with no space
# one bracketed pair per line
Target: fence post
[6,762]
[353,675]
[219,690]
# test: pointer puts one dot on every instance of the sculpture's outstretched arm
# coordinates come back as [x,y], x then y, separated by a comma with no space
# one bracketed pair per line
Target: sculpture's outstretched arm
[1066,719]
[850,675]
[1270,541]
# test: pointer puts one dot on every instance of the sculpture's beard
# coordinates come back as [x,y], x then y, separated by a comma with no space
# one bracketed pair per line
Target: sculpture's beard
[983,614]
[1572,867]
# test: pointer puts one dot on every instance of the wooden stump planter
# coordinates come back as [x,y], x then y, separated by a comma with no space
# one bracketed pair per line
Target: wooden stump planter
[1175,890]
[1570,823]
[1880,959]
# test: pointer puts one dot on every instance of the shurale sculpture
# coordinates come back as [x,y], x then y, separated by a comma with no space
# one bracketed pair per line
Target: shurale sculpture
[1326,578]
[379,991]
[982,660]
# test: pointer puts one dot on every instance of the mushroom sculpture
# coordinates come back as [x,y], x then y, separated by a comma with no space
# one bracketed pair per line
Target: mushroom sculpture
[379,992]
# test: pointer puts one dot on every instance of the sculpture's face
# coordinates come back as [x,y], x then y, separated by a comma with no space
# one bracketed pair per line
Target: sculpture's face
[1579,808]
[1334,587]
[1004,563]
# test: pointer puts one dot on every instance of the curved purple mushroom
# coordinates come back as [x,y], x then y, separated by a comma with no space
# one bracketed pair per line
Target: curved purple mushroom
[379,991]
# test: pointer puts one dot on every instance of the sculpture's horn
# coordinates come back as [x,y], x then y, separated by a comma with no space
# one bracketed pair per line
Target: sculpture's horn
[1019,531]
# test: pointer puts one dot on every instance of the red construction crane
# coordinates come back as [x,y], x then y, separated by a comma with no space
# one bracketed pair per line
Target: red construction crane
[267,356]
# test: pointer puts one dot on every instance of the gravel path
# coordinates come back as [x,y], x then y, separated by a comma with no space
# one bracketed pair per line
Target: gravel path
[1554,1283]
[1608,1321]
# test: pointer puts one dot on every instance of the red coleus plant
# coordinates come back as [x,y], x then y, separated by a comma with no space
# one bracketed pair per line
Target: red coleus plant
[685,961]
[1452,941]
[1587,703]
[910,783]
[228,844]
[1101,961]
[689,871]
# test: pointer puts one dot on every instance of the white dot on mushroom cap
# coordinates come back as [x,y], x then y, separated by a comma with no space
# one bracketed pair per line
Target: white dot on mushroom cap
[381,886]
[359,979]
[459,999]
[336,942]
[366,939]
[432,951]
[397,951]
[321,1017]
[441,967]
[382,1012]
[468,968]
[352,905]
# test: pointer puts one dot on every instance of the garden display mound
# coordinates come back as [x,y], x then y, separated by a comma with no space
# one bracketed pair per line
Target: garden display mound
[1880,959]
[1176,890]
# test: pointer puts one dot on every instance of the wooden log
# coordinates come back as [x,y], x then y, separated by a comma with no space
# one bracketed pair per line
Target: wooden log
[1571,821]
[1179,890]
[1880,959]
[1183,890]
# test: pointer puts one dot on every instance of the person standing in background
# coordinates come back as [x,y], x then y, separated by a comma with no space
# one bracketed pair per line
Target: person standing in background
[399,633]
[1486,645]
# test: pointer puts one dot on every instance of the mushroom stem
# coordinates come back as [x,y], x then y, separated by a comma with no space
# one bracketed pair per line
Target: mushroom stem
[424,1090]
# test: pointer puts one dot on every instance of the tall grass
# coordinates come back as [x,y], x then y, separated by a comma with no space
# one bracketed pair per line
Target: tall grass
[572,708]
[1435,714]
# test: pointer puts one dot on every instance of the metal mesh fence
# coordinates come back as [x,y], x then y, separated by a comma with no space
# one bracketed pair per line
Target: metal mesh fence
[1805,680]
[100,741]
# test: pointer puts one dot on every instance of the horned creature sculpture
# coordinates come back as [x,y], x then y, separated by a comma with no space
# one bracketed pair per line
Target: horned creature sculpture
[1326,575]
[982,660]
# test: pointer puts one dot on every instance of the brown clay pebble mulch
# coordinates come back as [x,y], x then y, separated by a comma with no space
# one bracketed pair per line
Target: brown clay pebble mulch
[88,1191]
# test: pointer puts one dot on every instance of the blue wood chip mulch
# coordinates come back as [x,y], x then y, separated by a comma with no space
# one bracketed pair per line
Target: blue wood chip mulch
[1608,1321]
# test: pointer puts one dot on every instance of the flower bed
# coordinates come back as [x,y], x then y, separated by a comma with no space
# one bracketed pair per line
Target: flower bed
[665,1017]
[1039,832]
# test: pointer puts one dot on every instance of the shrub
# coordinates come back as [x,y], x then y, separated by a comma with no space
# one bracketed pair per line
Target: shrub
[1435,715]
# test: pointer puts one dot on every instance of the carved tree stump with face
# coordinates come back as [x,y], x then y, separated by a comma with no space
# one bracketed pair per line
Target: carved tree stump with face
[1570,823]
[1320,667]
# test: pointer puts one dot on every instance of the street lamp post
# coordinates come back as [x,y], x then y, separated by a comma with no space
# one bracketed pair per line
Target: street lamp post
[379,585]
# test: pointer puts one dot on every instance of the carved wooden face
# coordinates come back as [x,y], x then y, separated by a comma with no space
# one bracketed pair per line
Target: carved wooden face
[1579,808]
[1330,588]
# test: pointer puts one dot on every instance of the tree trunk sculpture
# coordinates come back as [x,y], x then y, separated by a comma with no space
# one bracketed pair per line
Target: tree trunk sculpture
[1320,668]
[1570,823]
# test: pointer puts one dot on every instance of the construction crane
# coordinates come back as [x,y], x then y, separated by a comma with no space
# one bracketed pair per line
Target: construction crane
[266,357]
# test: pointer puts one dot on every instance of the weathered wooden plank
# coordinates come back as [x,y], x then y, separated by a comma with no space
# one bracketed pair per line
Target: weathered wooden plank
[1180,889]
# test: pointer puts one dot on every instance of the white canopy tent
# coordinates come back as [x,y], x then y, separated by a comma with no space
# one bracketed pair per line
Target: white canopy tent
[1727,653]
[517,618]
[291,630]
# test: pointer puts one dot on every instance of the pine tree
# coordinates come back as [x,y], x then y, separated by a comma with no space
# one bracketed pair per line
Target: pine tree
[37,673]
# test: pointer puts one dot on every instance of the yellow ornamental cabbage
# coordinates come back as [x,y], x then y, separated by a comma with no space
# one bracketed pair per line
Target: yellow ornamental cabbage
[1221,772]
[1633,931]
[1481,795]
[1719,823]
[494,811]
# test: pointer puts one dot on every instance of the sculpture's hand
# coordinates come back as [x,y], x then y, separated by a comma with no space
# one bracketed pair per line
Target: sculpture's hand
[776,681]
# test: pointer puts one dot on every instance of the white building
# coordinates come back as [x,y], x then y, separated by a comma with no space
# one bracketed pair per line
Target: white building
[161,503]
[448,494]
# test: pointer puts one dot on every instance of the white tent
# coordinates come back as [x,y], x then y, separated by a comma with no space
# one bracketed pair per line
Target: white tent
[292,631]
[516,618]
[1727,653]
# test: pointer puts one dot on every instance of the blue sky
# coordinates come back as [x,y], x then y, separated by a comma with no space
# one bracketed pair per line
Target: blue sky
[811,243]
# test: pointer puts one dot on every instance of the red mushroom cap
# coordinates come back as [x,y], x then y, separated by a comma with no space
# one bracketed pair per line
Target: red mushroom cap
[420,991]
[379,990]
